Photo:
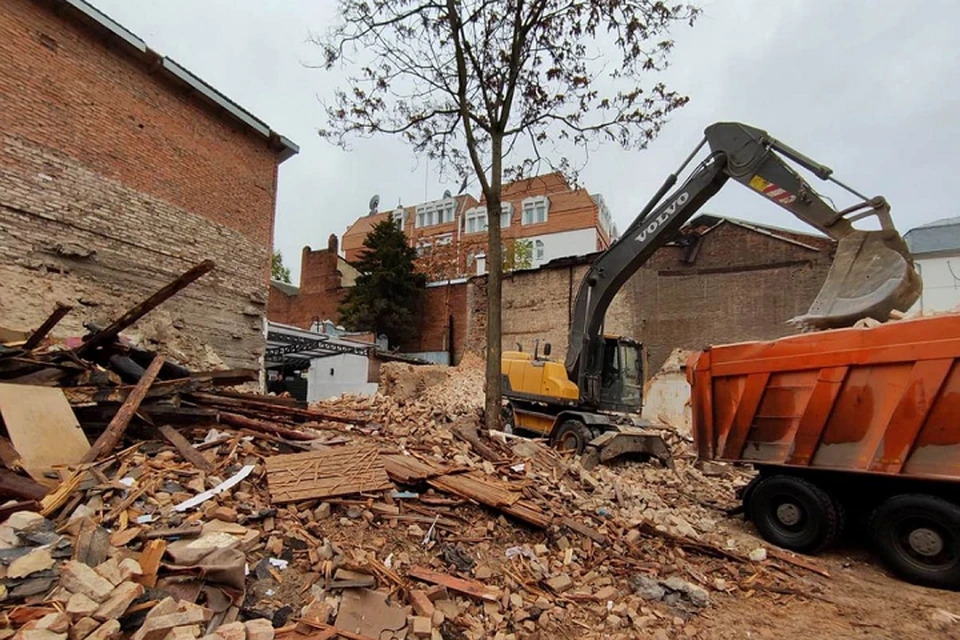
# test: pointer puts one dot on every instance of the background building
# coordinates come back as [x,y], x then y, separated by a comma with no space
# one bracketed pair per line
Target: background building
[543,218]
[119,170]
[936,252]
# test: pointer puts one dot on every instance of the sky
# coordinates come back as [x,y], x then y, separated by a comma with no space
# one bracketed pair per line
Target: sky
[870,89]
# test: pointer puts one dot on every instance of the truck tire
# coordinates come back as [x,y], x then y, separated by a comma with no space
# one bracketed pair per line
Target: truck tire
[919,538]
[573,435]
[794,513]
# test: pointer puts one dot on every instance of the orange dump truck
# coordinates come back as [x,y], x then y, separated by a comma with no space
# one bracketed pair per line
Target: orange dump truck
[849,425]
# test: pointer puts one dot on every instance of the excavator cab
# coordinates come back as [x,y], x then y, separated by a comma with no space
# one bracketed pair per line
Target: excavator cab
[621,378]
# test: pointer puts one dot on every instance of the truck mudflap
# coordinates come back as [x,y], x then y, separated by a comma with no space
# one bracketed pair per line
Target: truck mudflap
[624,440]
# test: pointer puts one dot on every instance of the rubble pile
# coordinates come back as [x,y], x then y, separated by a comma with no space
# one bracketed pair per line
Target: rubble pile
[200,511]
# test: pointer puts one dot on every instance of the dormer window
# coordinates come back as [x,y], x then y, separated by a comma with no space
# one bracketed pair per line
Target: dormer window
[535,210]
[400,217]
[436,212]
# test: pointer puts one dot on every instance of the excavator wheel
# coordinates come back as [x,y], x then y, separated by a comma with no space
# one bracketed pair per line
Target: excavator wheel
[573,435]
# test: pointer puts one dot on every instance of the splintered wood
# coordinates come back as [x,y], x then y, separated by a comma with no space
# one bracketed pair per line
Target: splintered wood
[343,471]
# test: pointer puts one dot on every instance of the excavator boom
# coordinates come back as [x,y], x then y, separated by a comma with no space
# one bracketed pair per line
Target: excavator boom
[872,273]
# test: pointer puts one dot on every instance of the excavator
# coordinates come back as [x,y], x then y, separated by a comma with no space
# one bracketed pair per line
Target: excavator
[589,403]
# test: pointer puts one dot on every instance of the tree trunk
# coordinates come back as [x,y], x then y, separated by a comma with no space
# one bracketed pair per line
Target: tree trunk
[494,287]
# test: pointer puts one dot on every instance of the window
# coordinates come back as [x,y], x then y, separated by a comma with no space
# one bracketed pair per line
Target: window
[535,210]
[400,217]
[443,240]
[436,212]
[475,220]
[538,250]
[481,264]
[424,248]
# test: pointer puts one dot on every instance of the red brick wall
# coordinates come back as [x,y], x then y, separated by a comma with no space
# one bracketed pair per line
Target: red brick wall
[320,291]
[436,307]
[61,87]
[113,181]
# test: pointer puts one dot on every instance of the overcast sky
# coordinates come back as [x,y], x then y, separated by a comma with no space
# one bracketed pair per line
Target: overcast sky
[870,89]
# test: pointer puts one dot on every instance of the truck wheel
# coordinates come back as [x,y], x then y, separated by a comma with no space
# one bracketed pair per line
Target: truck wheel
[919,538]
[794,513]
[573,435]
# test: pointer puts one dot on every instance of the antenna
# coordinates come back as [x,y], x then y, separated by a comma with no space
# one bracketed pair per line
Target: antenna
[374,203]
[447,194]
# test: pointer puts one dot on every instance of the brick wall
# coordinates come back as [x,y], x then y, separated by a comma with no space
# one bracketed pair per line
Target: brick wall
[433,320]
[743,285]
[320,292]
[134,180]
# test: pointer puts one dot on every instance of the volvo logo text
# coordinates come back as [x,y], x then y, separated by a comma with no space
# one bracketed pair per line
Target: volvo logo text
[663,217]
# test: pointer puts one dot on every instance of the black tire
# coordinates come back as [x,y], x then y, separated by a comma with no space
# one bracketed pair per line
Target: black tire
[572,435]
[794,514]
[918,536]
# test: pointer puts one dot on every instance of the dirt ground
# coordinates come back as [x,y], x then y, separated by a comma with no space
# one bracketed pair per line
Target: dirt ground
[859,600]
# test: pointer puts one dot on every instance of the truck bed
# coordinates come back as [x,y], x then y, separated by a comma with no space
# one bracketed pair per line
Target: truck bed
[881,400]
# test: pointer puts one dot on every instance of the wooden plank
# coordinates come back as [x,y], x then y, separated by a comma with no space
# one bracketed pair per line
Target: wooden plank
[254,403]
[324,474]
[409,470]
[584,530]
[109,334]
[37,336]
[150,562]
[91,394]
[243,422]
[798,561]
[470,588]
[476,486]
[42,428]
[9,456]
[191,531]
[115,430]
[186,449]
[13,485]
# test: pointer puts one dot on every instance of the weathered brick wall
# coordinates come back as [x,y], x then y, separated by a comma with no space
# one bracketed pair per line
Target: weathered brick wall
[743,286]
[320,293]
[100,153]
[69,234]
[437,306]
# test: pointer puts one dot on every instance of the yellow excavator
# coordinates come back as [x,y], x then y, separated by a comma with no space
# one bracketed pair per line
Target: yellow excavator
[590,402]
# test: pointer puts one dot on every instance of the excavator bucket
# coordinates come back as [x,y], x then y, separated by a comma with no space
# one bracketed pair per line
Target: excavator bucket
[872,274]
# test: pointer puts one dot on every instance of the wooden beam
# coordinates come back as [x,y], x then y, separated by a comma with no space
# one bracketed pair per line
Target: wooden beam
[109,334]
[467,587]
[109,438]
[37,336]
[14,485]
[186,449]
[243,422]
[256,404]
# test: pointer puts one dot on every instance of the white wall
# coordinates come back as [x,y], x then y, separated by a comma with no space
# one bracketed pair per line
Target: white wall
[565,243]
[941,284]
[336,375]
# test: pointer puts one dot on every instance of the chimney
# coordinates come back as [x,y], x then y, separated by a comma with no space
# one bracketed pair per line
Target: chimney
[333,246]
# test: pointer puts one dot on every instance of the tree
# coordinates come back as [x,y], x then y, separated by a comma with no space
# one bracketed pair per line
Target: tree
[385,295]
[517,255]
[482,86]
[277,270]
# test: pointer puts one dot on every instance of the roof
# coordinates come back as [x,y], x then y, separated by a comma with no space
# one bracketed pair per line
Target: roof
[165,67]
[286,287]
[933,237]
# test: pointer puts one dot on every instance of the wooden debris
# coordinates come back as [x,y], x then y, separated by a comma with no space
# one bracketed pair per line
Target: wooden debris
[347,470]
[150,562]
[111,437]
[110,333]
[797,561]
[186,450]
[470,588]
[37,336]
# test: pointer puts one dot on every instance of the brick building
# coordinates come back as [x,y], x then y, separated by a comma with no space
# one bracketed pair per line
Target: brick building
[119,169]
[724,281]
[543,218]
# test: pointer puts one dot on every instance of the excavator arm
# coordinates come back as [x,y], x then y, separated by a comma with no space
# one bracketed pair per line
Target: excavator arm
[872,273]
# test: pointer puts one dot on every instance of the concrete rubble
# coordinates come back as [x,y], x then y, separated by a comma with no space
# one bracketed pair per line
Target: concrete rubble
[208,516]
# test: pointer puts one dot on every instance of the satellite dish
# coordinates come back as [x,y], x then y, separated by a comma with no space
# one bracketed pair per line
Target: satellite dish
[374,203]
[447,194]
